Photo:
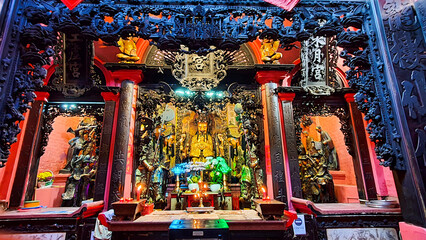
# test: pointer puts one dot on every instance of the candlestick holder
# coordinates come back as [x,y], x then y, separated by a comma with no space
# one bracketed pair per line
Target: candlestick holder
[225,183]
[177,183]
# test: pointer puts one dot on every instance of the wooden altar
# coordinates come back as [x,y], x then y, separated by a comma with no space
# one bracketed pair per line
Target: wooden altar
[243,224]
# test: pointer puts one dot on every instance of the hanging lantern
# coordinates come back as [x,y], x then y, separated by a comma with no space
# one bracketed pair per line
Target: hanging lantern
[71,4]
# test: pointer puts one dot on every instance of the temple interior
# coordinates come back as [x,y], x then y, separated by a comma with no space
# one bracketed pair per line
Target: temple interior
[212,120]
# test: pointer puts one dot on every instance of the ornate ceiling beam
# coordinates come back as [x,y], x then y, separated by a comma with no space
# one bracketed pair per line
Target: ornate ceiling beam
[201,28]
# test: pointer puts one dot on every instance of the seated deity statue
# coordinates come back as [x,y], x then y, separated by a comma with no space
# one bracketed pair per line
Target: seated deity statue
[128,50]
[201,144]
[269,50]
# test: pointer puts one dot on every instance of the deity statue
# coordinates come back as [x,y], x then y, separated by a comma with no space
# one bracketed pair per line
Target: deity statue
[128,50]
[183,147]
[158,180]
[83,163]
[220,145]
[269,47]
[146,158]
[317,182]
[257,172]
[330,153]
[235,150]
[201,144]
[251,176]
[82,143]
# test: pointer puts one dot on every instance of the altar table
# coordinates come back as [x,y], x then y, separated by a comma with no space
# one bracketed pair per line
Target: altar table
[243,224]
[210,199]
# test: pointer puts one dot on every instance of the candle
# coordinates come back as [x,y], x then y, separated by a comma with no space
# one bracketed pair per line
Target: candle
[138,193]
[264,193]
[121,199]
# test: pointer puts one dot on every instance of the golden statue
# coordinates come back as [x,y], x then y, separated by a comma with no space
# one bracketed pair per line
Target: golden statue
[201,144]
[220,145]
[183,147]
[128,50]
[269,49]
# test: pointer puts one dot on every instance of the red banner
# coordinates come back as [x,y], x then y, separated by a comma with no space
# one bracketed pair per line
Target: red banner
[71,4]
[286,4]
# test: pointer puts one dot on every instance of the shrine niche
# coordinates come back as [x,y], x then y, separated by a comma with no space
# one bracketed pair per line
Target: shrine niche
[188,138]
[70,138]
[325,151]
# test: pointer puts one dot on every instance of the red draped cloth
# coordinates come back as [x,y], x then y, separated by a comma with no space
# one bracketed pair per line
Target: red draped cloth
[286,4]
[71,4]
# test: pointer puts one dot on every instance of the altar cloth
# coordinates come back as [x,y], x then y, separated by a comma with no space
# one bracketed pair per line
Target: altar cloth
[169,216]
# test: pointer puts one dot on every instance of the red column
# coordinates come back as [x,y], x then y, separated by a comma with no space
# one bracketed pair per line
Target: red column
[16,177]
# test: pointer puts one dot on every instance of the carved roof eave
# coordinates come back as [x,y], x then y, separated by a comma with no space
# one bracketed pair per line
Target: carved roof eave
[260,4]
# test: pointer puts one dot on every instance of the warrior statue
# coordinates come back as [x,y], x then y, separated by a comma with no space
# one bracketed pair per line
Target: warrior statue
[83,165]
[317,182]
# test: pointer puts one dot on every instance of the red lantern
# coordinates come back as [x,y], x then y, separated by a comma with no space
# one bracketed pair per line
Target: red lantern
[71,4]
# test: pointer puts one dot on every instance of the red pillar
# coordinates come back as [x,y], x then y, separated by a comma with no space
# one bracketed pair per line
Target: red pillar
[18,166]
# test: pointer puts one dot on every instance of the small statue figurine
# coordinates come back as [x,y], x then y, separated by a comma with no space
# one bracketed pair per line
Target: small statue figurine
[220,143]
[128,50]
[330,153]
[269,47]
[183,147]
